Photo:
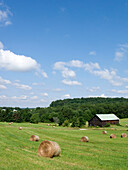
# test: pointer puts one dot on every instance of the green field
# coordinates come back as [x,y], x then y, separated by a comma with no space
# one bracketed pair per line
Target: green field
[101,152]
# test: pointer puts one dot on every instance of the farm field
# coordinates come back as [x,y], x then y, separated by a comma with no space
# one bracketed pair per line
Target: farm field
[101,152]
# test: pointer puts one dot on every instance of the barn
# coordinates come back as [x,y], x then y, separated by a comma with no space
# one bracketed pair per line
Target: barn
[103,119]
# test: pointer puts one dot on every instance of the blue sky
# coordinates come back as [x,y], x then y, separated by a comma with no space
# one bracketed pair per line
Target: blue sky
[54,49]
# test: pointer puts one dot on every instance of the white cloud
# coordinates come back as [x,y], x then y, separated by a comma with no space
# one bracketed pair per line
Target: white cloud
[121,52]
[68,73]
[102,95]
[57,90]
[13,62]
[44,74]
[92,53]
[93,89]
[119,55]
[4,81]
[34,98]
[1,45]
[66,96]
[22,86]
[3,87]
[59,65]
[76,63]
[23,97]
[44,94]
[5,15]
[70,83]
[20,63]
[3,97]
[62,66]
[8,23]
[91,66]
[120,91]
[111,76]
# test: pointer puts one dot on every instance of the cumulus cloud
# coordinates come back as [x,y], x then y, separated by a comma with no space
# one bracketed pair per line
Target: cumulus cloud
[76,63]
[93,89]
[93,68]
[120,91]
[111,76]
[3,86]
[70,83]
[19,63]
[22,86]
[5,15]
[66,72]
[121,52]
[22,97]
[4,81]
[34,98]
[66,96]
[44,94]
[102,95]
[1,45]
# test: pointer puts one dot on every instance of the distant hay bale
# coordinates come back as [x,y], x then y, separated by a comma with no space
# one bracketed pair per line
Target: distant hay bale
[123,135]
[112,136]
[20,128]
[48,124]
[9,123]
[84,139]
[53,126]
[49,149]
[104,132]
[29,123]
[34,138]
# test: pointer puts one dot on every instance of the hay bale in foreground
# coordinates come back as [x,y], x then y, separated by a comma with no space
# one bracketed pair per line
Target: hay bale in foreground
[123,135]
[104,132]
[34,138]
[84,139]
[20,128]
[112,136]
[49,149]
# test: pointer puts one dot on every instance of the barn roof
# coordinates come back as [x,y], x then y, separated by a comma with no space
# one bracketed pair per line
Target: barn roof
[107,117]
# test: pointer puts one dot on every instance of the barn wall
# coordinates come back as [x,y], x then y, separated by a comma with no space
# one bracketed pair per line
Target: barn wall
[95,122]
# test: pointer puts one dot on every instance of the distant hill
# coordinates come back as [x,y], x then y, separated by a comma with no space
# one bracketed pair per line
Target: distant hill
[91,100]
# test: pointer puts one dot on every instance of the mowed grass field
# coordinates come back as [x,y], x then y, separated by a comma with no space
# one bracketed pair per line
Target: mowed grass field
[101,152]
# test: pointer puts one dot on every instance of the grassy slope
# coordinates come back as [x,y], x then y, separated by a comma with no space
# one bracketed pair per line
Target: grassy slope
[101,152]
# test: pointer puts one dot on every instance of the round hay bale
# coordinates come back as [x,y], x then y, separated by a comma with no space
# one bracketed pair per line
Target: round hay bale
[48,124]
[104,132]
[53,126]
[20,128]
[112,136]
[34,138]
[49,149]
[123,135]
[84,139]
[9,123]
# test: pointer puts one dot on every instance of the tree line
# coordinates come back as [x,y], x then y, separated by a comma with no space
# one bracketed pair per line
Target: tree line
[67,112]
